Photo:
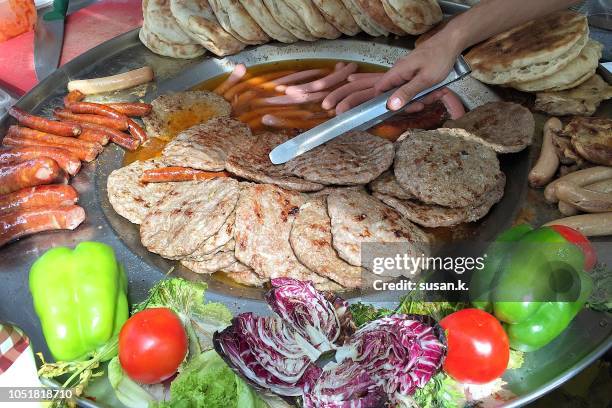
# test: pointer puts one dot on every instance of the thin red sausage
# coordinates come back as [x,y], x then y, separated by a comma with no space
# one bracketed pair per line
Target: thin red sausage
[119,124]
[131,108]
[30,173]
[83,153]
[68,161]
[54,195]
[94,136]
[19,223]
[73,96]
[137,131]
[96,109]
[175,173]
[44,125]
[57,140]
[117,136]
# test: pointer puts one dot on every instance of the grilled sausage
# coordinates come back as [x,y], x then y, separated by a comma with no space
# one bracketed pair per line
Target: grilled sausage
[580,178]
[83,149]
[175,173]
[590,225]
[73,96]
[64,158]
[548,162]
[91,108]
[44,125]
[137,131]
[54,195]
[22,222]
[131,108]
[112,83]
[119,124]
[30,173]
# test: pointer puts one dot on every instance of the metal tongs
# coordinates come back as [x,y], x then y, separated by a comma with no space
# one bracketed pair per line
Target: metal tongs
[361,117]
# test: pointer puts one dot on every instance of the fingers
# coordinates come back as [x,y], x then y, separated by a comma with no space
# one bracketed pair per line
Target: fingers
[414,107]
[404,94]
[355,99]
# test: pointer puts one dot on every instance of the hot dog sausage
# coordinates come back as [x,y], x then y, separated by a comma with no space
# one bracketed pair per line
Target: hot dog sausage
[112,83]
[580,178]
[326,82]
[591,225]
[64,158]
[54,195]
[30,173]
[290,99]
[237,74]
[548,162]
[290,123]
[583,199]
[44,125]
[175,173]
[119,124]
[22,222]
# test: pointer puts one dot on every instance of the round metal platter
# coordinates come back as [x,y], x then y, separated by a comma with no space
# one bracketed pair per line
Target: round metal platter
[587,338]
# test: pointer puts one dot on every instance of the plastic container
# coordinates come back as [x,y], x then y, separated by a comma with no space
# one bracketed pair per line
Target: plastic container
[16,17]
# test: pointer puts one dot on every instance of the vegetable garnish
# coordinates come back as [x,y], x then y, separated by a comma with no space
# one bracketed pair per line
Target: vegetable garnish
[478,349]
[385,360]
[152,345]
[534,281]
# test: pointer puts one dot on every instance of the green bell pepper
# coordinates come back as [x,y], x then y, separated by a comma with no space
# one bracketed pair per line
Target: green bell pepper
[534,282]
[80,297]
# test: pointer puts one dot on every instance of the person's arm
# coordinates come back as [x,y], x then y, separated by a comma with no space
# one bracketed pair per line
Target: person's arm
[432,60]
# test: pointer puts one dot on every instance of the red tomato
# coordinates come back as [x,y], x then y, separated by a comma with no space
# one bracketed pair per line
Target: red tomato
[152,345]
[582,242]
[478,348]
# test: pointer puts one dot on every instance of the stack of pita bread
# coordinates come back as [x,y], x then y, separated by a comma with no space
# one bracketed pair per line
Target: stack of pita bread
[549,54]
[187,28]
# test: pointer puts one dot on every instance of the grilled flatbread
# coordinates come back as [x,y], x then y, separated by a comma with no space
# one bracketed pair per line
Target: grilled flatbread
[363,20]
[168,49]
[312,18]
[413,16]
[375,10]
[262,16]
[196,18]
[160,21]
[338,15]
[289,19]
[580,69]
[531,51]
[236,21]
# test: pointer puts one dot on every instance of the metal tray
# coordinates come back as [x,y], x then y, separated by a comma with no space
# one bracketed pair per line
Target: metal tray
[589,336]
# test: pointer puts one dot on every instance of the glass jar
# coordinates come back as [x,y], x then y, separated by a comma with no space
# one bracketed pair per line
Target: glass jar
[16,17]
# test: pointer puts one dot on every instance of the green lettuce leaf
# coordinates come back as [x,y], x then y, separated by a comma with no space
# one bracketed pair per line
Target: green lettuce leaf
[130,393]
[206,381]
[440,392]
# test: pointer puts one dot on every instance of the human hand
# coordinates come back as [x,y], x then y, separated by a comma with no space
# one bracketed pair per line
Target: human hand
[422,68]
